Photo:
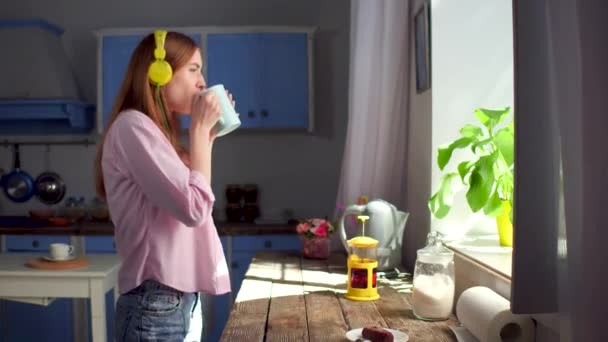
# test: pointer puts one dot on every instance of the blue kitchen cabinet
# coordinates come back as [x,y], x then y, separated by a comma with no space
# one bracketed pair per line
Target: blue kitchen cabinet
[232,61]
[284,80]
[238,268]
[33,243]
[116,52]
[219,307]
[99,244]
[31,322]
[268,74]
[53,322]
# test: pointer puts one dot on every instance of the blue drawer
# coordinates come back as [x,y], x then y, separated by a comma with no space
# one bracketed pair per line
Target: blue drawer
[100,244]
[266,242]
[33,243]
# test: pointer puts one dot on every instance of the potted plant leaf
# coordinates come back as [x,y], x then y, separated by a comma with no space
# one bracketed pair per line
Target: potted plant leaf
[488,174]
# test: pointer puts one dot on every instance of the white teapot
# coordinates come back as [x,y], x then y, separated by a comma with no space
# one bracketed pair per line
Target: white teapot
[386,224]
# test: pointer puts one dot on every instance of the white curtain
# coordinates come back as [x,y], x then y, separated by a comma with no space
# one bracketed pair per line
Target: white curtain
[560,257]
[375,148]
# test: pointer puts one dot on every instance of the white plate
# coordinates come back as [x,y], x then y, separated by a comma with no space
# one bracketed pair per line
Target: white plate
[398,336]
[48,258]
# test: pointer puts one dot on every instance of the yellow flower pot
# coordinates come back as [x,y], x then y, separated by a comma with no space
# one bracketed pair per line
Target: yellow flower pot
[505,227]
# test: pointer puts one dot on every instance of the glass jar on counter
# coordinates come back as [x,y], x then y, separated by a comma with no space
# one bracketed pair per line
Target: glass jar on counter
[433,292]
[74,209]
[98,210]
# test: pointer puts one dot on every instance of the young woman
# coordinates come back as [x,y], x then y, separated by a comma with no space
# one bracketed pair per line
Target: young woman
[159,194]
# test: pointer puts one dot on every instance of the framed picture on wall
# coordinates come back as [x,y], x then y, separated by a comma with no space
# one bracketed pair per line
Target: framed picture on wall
[422,47]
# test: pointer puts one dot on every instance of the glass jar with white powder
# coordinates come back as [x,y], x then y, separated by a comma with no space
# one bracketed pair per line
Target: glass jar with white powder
[433,293]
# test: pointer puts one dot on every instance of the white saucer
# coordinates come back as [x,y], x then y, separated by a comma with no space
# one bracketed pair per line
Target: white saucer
[398,336]
[48,258]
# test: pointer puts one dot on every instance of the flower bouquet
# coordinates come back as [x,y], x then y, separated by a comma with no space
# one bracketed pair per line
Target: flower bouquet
[315,236]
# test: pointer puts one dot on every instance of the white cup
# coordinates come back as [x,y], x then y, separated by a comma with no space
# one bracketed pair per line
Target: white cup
[61,251]
[229,119]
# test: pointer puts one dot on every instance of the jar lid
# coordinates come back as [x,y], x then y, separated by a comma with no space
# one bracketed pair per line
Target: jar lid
[435,252]
[363,241]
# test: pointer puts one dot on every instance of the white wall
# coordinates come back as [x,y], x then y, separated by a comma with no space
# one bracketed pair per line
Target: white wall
[418,182]
[295,171]
[472,59]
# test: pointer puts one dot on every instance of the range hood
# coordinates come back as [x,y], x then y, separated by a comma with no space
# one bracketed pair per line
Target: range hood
[38,94]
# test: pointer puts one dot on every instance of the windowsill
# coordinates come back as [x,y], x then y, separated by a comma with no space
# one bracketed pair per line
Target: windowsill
[487,252]
[480,261]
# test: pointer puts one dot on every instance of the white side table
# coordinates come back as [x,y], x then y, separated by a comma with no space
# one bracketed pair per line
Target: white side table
[20,282]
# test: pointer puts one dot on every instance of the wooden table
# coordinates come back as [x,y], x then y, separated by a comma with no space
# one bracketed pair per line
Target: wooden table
[19,282]
[287,298]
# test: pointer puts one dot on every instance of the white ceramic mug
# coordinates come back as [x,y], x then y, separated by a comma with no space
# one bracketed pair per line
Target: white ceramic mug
[61,251]
[229,119]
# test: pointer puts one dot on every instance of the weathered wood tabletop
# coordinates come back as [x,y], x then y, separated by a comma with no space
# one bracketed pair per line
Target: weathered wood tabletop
[288,298]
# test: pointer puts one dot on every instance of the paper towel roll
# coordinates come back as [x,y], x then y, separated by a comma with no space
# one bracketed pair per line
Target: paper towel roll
[488,317]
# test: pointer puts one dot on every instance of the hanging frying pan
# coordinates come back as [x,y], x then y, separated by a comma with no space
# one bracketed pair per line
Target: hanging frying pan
[50,188]
[18,185]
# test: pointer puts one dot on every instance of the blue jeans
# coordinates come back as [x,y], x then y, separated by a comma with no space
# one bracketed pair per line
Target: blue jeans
[154,312]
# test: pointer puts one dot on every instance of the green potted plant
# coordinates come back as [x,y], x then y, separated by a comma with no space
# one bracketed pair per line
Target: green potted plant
[488,174]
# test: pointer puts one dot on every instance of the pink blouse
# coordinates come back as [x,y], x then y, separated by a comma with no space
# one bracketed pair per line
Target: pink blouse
[161,210]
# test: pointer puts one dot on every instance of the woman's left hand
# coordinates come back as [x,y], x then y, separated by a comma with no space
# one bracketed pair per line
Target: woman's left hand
[231,99]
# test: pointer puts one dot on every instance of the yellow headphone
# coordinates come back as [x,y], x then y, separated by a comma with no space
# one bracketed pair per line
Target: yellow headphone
[160,72]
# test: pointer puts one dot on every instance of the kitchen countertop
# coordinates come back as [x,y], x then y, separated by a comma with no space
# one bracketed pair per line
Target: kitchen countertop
[107,229]
[285,297]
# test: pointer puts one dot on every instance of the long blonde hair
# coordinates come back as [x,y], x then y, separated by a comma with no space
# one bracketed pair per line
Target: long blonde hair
[137,93]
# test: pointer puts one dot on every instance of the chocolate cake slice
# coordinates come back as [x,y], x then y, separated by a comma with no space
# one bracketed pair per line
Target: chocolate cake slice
[377,334]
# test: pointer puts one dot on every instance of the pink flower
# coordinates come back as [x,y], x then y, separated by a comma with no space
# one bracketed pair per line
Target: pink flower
[322,230]
[302,227]
[310,228]
[317,222]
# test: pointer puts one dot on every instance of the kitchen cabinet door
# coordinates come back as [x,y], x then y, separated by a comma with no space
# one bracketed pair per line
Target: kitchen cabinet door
[100,244]
[232,61]
[284,80]
[30,322]
[33,243]
[220,306]
[268,74]
[116,52]
[238,268]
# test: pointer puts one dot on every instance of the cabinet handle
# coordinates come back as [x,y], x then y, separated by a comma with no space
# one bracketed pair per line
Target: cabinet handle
[35,244]
[234,264]
[264,113]
[268,244]
[251,114]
